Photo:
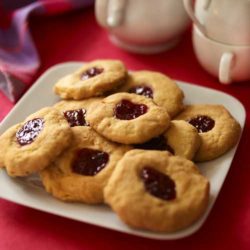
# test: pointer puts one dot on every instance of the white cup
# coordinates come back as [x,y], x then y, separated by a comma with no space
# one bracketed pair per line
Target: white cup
[143,26]
[230,63]
[226,21]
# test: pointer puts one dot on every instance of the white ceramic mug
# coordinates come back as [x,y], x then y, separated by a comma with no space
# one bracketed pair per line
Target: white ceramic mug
[230,63]
[226,21]
[143,26]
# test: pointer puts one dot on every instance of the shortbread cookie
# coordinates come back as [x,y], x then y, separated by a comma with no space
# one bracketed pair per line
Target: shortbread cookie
[92,79]
[128,118]
[157,191]
[157,86]
[75,111]
[82,171]
[180,139]
[5,141]
[218,130]
[33,144]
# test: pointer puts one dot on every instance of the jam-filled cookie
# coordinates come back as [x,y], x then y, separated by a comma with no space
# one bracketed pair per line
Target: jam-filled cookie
[92,79]
[82,171]
[128,118]
[5,141]
[75,111]
[33,144]
[218,130]
[180,139]
[157,191]
[158,87]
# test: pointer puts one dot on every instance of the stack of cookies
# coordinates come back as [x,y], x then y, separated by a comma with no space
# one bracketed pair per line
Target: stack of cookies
[124,139]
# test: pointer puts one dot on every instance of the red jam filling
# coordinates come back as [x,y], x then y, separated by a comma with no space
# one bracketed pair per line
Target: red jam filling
[29,131]
[91,73]
[158,184]
[202,123]
[156,143]
[142,90]
[89,161]
[76,117]
[126,110]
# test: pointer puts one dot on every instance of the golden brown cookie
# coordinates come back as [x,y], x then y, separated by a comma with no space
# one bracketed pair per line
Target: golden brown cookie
[75,111]
[180,139]
[5,141]
[128,118]
[157,191]
[218,130]
[157,86]
[82,171]
[92,79]
[33,144]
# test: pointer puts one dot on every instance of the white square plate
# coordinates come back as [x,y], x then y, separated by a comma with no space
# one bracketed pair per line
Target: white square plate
[41,95]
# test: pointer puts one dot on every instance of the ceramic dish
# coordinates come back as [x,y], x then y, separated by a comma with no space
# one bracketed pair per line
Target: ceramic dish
[21,191]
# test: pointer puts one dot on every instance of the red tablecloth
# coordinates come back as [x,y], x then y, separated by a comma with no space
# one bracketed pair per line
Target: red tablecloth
[77,36]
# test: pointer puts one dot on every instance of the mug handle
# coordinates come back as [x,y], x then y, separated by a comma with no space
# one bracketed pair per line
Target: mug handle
[115,12]
[225,68]
[188,5]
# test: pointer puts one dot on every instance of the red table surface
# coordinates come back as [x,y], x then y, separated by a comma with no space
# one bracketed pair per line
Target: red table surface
[77,37]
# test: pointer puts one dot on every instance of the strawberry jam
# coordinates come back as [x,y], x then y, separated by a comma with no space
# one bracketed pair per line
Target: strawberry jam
[29,131]
[142,90]
[76,117]
[126,110]
[89,161]
[91,73]
[202,123]
[158,184]
[156,143]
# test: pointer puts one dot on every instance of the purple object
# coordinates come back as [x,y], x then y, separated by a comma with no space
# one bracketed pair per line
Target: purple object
[19,59]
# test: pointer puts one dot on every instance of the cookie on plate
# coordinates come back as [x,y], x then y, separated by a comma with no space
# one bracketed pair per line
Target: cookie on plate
[33,144]
[168,193]
[218,130]
[157,86]
[92,79]
[5,141]
[180,139]
[128,118]
[75,111]
[82,171]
